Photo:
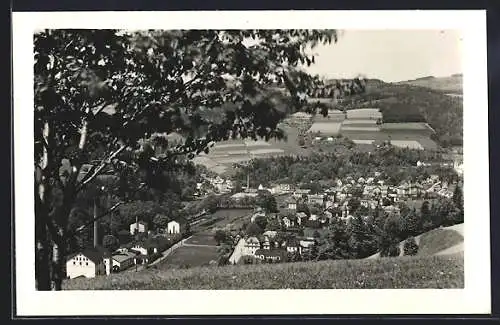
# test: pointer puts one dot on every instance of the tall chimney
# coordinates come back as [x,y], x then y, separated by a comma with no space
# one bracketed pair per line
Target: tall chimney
[96,233]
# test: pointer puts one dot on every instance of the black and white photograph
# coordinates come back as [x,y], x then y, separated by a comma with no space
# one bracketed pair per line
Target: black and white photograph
[218,162]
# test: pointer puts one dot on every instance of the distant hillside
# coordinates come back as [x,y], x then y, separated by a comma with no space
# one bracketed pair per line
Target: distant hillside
[446,271]
[440,241]
[404,102]
[452,84]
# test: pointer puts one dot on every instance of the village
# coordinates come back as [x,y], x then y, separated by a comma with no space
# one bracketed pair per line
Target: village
[286,233]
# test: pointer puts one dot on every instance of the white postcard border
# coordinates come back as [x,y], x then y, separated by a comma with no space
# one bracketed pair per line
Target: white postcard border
[475,298]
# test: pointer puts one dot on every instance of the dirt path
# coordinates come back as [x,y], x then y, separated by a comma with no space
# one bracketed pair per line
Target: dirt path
[198,245]
[452,250]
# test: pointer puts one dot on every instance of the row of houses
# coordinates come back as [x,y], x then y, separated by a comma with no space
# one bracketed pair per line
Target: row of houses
[268,248]
[371,194]
[221,185]
[94,261]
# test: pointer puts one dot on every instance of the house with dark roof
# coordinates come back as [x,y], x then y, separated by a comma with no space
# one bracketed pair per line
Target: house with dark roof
[252,244]
[271,255]
[89,263]
[122,261]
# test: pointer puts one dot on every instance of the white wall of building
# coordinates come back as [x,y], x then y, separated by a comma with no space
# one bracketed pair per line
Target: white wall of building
[173,227]
[80,265]
[139,226]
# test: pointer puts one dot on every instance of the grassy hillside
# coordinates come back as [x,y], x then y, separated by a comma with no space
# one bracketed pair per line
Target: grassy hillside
[452,84]
[403,272]
[437,241]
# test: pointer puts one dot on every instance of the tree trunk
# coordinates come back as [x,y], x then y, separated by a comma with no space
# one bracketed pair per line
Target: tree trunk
[57,267]
[42,272]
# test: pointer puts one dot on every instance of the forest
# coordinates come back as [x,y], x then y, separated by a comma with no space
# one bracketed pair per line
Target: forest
[319,170]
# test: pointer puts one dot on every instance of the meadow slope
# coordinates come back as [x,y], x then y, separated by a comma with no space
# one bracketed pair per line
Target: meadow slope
[444,271]
[439,241]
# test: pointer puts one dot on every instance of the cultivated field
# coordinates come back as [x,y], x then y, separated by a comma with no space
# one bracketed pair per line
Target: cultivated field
[224,154]
[359,122]
[362,128]
[189,256]
[230,218]
[412,144]
[358,128]
[364,113]
[395,137]
[326,128]
[418,272]
[201,247]
[406,126]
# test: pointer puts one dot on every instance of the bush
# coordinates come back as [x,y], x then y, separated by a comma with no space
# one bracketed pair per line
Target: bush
[154,257]
[410,247]
[393,250]
[248,259]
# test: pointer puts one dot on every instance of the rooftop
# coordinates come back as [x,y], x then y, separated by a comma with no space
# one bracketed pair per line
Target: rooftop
[94,254]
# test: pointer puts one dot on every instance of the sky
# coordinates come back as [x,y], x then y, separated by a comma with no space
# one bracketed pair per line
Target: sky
[390,55]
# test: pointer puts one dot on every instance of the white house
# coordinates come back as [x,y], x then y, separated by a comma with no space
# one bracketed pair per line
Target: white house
[315,199]
[300,192]
[88,263]
[281,188]
[138,226]
[266,244]
[313,217]
[252,244]
[306,244]
[177,226]
[270,233]
[293,246]
[458,165]
[140,248]
[292,205]
[287,221]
